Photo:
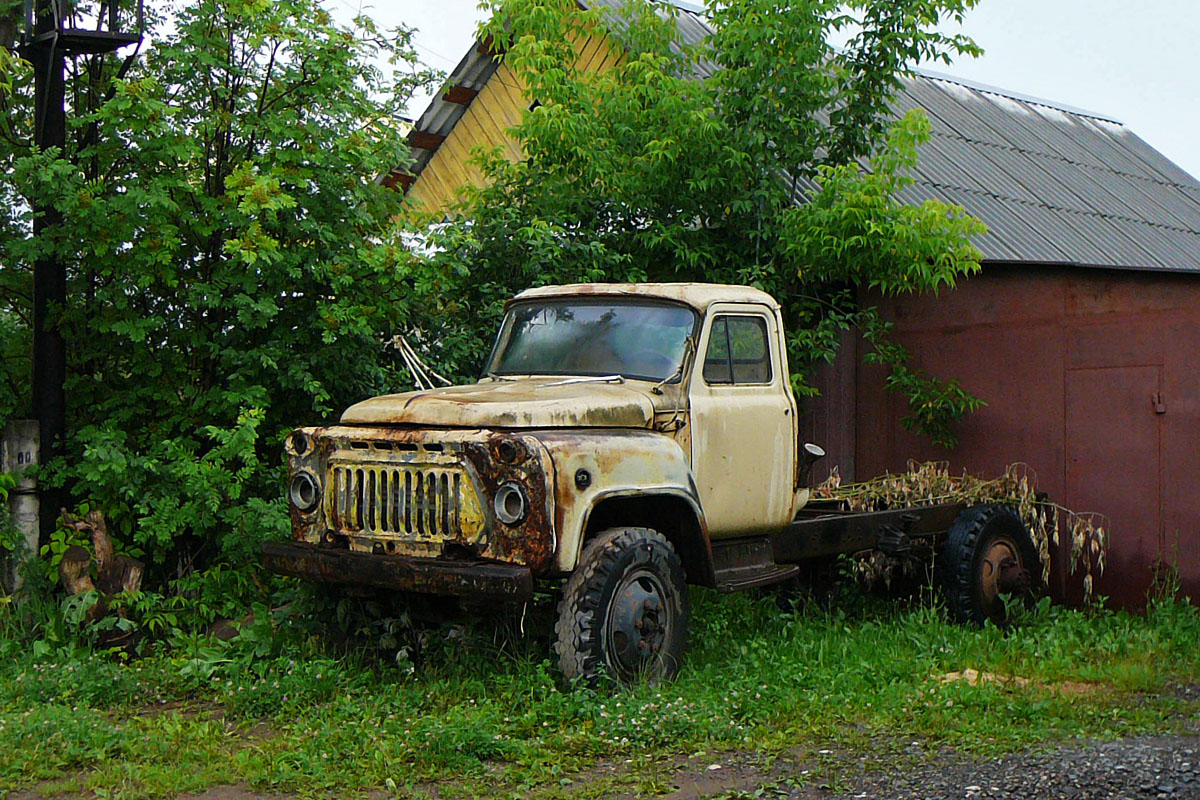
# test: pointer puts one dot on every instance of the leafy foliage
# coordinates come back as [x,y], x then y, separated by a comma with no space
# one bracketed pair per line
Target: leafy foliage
[232,264]
[10,535]
[685,163]
[15,223]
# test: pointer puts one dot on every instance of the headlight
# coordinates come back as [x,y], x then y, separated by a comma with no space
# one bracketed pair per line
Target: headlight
[304,492]
[299,443]
[510,451]
[510,504]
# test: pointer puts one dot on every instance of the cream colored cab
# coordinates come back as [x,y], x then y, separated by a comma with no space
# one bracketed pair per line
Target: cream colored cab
[743,421]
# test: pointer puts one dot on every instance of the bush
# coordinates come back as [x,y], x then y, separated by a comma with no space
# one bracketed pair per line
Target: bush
[237,270]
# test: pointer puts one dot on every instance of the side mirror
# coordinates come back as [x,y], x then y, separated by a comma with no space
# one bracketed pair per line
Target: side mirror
[809,455]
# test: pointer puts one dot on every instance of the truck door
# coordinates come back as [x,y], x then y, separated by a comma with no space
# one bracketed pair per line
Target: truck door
[743,422]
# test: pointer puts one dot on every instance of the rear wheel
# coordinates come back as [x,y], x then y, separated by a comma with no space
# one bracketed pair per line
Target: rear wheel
[624,611]
[989,558]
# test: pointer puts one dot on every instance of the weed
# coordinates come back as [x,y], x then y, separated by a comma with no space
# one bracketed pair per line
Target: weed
[46,739]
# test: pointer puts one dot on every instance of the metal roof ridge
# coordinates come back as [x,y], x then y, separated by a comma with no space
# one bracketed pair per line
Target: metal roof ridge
[697,8]
[987,88]
[692,8]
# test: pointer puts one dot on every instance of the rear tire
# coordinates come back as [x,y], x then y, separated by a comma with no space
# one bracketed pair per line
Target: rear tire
[624,611]
[989,556]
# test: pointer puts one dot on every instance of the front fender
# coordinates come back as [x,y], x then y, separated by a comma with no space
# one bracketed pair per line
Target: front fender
[617,463]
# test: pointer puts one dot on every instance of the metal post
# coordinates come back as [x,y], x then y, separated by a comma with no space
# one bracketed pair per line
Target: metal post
[49,272]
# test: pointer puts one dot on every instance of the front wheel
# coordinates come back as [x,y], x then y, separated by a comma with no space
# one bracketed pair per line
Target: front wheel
[624,611]
[989,557]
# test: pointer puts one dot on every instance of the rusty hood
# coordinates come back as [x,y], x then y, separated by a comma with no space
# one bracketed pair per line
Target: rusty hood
[525,403]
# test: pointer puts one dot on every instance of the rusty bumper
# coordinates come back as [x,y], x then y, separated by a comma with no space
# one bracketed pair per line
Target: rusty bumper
[427,575]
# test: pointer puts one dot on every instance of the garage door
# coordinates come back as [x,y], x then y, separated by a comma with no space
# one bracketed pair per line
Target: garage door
[1113,466]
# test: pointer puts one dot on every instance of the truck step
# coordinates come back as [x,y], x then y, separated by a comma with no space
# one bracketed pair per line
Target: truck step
[735,580]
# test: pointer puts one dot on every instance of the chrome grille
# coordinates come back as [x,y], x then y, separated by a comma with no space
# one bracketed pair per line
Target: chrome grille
[400,500]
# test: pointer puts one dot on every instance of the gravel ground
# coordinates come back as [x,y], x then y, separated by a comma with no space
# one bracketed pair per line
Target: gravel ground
[1149,767]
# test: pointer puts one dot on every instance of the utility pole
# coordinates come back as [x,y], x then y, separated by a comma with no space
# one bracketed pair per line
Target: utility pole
[49,273]
[55,31]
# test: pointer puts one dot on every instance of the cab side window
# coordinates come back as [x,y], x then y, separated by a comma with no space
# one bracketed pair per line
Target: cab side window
[738,351]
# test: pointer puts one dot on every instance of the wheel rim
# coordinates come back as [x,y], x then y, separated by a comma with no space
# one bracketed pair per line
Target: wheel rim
[639,625]
[1000,573]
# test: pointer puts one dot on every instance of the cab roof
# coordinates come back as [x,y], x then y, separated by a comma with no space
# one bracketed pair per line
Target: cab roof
[697,295]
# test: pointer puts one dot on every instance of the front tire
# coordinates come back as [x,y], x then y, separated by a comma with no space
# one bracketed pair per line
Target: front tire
[989,556]
[624,611]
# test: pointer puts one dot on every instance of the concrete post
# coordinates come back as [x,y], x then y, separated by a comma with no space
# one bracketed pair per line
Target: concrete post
[19,450]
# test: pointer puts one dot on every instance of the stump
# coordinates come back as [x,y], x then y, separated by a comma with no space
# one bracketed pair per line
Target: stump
[114,574]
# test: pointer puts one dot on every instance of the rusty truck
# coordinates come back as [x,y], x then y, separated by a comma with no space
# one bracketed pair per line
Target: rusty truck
[623,443]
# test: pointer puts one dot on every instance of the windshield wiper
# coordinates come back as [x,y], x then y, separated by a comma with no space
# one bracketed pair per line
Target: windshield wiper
[589,379]
[497,377]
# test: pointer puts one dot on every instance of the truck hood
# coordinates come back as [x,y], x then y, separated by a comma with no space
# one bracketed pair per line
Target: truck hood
[523,403]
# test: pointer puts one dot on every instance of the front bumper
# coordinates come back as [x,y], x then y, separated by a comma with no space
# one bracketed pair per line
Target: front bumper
[426,575]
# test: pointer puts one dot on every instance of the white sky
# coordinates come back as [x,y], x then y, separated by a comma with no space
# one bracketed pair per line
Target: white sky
[1136,61]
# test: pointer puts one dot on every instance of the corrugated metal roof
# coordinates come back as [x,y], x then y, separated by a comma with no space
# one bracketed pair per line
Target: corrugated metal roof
[1055,184]
[1093,192]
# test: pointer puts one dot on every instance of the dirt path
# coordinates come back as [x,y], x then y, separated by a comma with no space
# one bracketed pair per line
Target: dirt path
[1163,767]
[1166,766]
[1147,767]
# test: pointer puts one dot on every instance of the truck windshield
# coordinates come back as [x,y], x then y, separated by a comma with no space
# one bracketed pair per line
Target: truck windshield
[639,340]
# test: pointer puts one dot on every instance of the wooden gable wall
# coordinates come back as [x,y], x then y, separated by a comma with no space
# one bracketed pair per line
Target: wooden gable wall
[486,123]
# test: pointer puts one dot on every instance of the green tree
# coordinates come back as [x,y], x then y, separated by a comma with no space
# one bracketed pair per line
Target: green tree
[233,266]
[685,163]
[15,282]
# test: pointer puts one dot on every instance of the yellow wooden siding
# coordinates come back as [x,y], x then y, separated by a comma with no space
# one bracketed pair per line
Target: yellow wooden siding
[486,122]
[609,58]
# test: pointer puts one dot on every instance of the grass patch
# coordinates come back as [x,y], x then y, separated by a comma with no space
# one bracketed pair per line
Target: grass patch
[482,717]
